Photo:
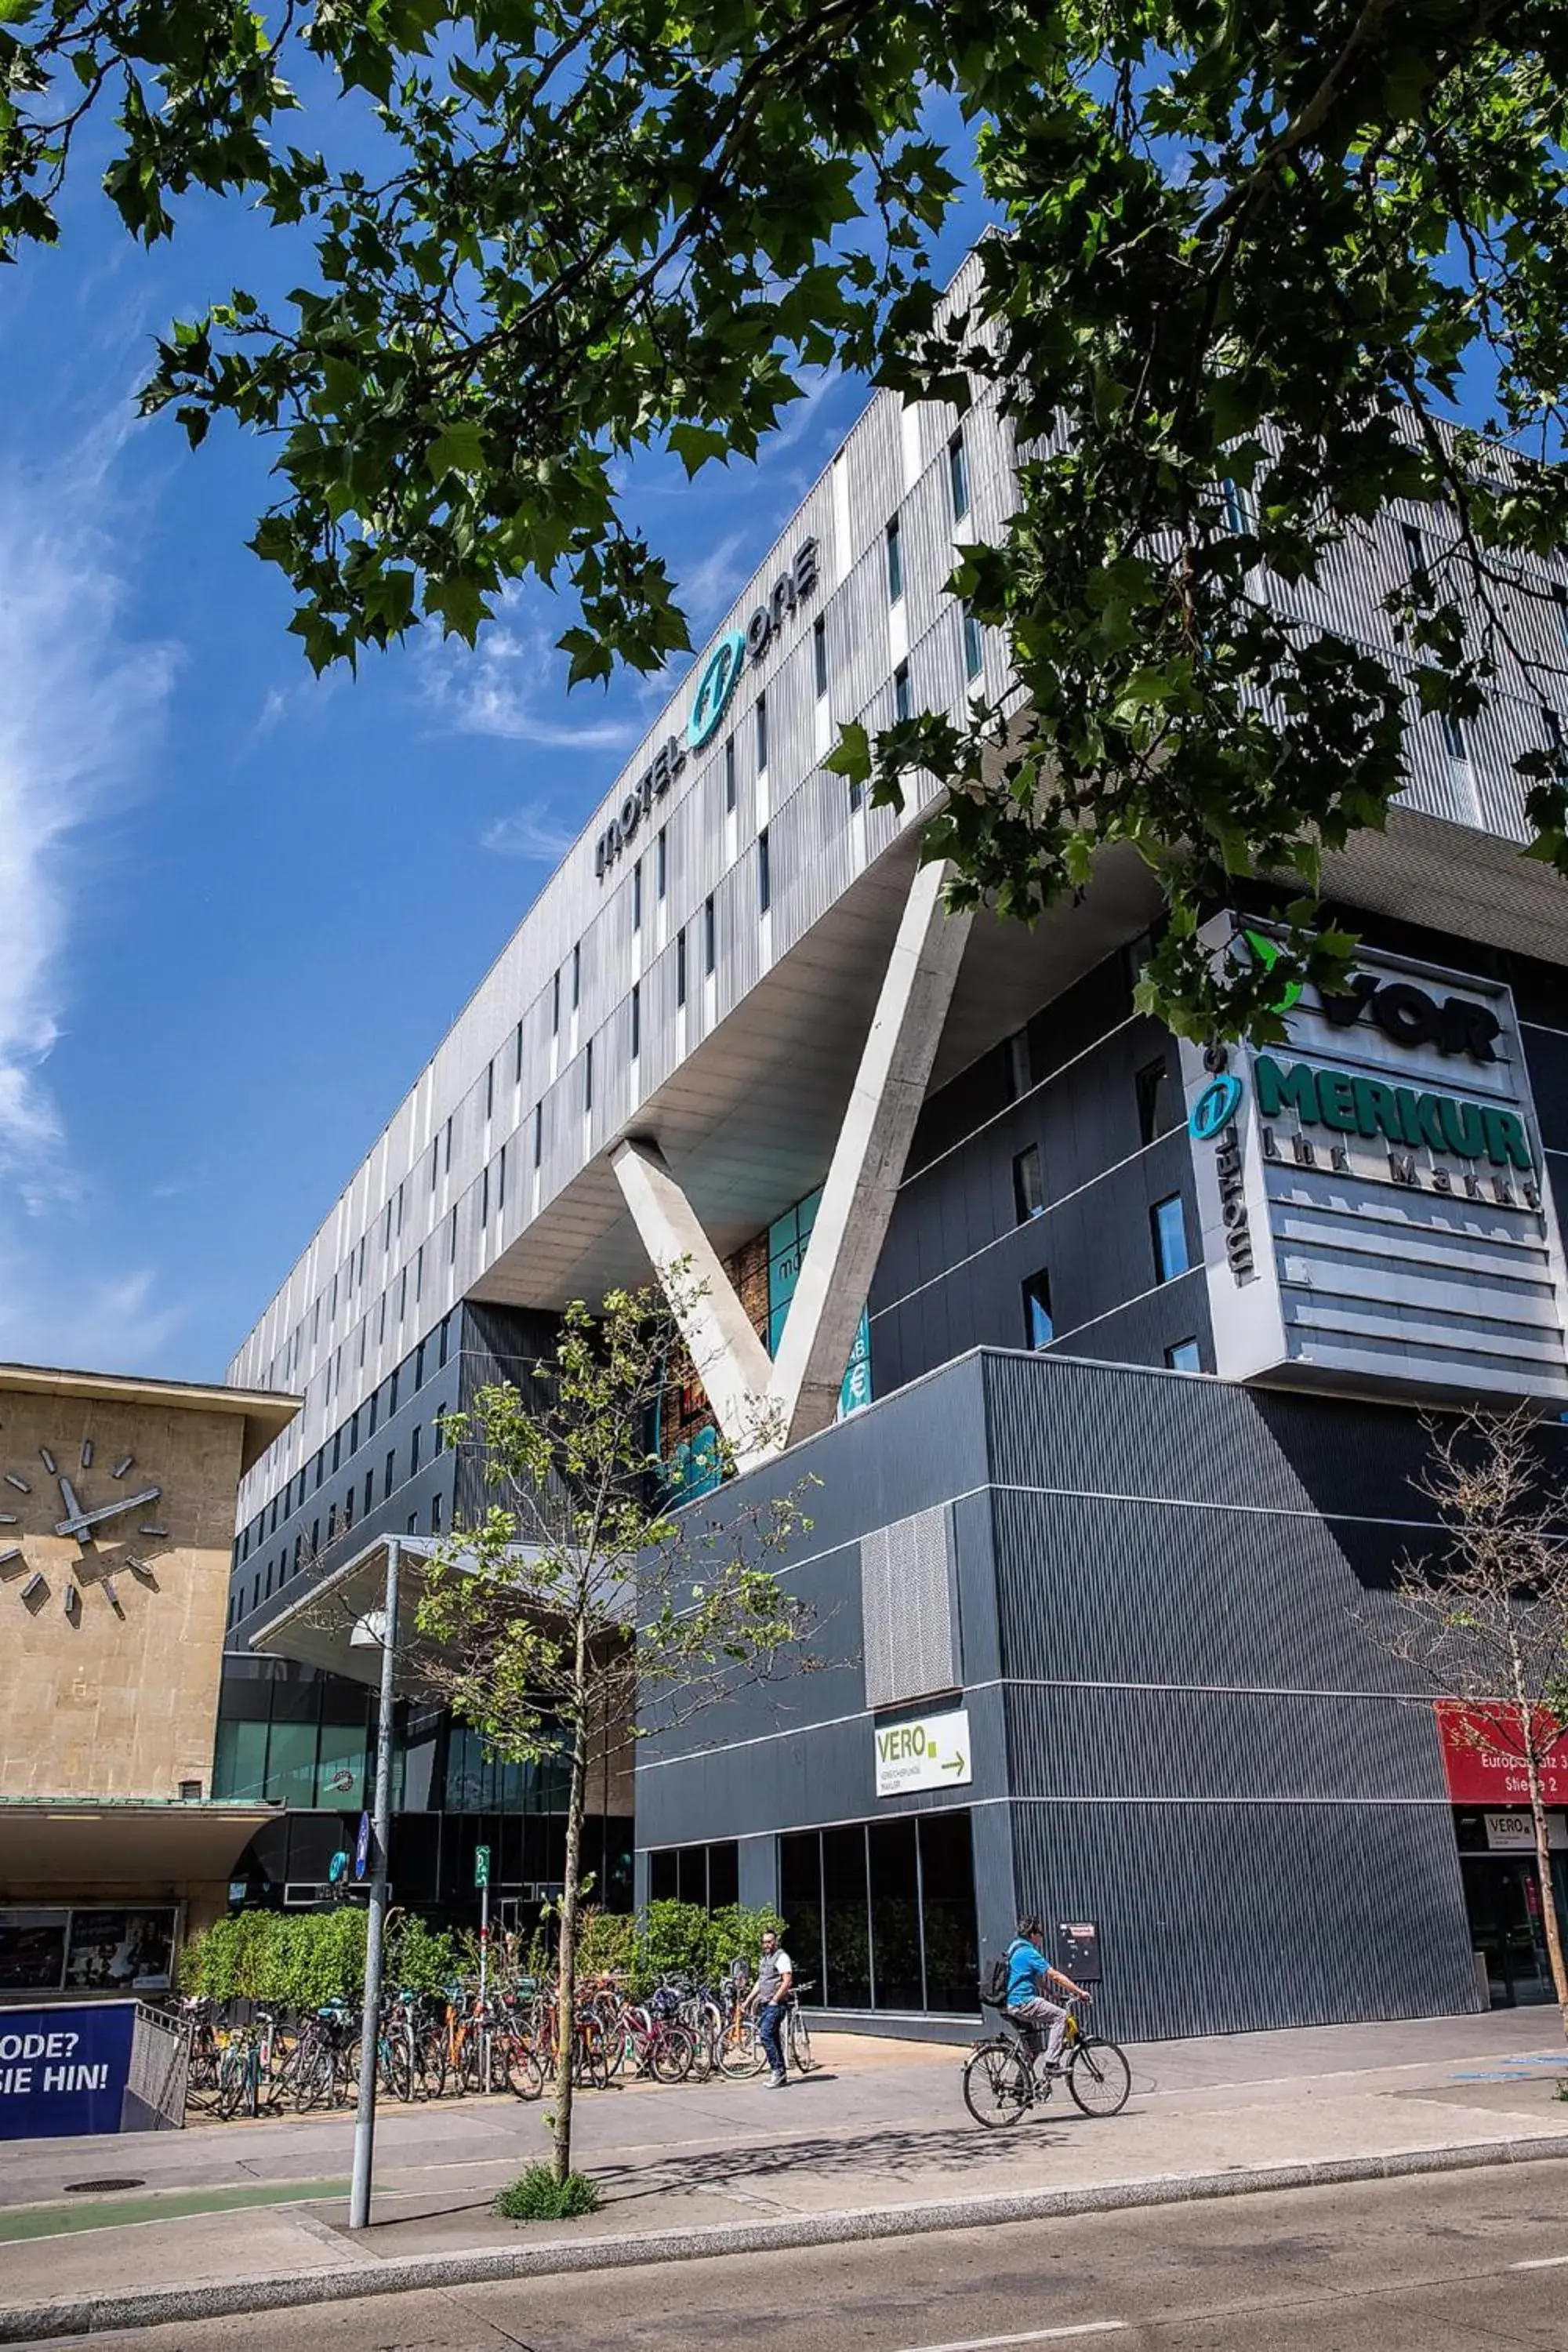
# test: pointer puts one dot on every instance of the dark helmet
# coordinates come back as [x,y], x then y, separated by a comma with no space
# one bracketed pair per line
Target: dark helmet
[1029,1924]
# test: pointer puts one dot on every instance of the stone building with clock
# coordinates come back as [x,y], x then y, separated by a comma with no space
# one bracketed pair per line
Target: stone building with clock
[117,1499]
[1112,1383]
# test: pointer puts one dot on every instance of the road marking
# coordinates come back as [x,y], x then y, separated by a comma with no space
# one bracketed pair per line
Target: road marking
[1542,2262]
[1030,2335]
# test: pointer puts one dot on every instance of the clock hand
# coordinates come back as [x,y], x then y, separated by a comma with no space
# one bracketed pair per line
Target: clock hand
[67,1496]
[74,1526]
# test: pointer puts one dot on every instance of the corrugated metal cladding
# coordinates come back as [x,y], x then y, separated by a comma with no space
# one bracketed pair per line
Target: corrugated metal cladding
[908,1607]
[1238,1918]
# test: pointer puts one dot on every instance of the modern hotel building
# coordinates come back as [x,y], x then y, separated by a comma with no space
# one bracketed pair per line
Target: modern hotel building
[1112,1369]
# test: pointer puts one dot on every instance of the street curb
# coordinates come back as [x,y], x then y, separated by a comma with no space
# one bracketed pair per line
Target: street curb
[481,2267]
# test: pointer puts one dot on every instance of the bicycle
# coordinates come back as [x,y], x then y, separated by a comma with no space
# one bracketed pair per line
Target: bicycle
[794,2035]
[245,2063]
[1002,2081]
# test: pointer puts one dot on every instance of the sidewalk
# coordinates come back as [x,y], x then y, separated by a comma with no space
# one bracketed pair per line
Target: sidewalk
[881,2130]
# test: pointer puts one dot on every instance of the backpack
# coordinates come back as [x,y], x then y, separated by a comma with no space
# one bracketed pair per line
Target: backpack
[994,1983]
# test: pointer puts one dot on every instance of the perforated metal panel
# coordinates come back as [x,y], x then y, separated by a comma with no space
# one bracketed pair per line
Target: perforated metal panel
[908,1602]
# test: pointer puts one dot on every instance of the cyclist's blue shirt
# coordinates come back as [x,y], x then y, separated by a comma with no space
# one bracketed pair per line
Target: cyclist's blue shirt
[1026,1971]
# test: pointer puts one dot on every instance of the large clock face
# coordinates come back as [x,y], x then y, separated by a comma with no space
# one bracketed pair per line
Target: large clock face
[103,1516]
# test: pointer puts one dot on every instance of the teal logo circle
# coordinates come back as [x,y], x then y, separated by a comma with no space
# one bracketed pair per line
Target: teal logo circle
[715,685]
[1215,1108]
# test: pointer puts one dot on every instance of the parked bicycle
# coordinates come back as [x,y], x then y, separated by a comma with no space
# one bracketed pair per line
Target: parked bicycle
[1002,2078]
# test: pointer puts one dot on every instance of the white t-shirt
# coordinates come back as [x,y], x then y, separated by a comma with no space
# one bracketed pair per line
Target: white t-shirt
[771,1968]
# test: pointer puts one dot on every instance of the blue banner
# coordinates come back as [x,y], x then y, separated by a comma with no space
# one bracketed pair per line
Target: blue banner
[63,2071]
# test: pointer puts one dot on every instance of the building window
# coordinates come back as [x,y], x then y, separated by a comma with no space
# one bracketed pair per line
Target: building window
[764,874]
[958,475]
[761,733]
[446,1147]
[1038,1328]
[577,975]
[490,1097]
[894,562]
[1415,548]
[516,1060]
[320,1463]
[1156,1100]
[729,771]
[1237,509]
[637,896]
[556,1005]
[1184,1357]
[484,1197]
[434,1515]
[680,967]
[337,1451]
[434,1179]
[500,1180]
[1453,735]
[710,937]
[661,862]
[636,1020]
[370,1423]
[588,1077]
[1028,1184]
[819,656]
[389,1475]
[412,1523]
[452,1237]
[1020,1066]
[902,705]
[1561,593]
[1170,1230]
[348,1510]
[331,1522]
[369,1489]
[414,1452]
[973,646]
[538,1133]
[315,1537]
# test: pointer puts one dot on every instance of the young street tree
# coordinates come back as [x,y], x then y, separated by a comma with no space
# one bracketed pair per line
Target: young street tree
[1255,256]
[1487,1622]
[585,1608]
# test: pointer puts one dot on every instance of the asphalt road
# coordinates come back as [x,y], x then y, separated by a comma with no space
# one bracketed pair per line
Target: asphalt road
[1474,2260]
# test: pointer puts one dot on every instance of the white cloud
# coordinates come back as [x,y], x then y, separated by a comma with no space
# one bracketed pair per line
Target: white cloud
[81,709]
[708,585]
[530,832]
[497,689]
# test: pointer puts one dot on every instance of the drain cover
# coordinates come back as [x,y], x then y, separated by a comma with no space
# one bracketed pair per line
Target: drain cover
[101,2186]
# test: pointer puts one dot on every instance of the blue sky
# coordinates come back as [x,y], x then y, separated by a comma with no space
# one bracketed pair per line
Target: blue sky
[238,908]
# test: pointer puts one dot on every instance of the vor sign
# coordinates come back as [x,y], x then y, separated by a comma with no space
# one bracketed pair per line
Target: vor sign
[931,1752]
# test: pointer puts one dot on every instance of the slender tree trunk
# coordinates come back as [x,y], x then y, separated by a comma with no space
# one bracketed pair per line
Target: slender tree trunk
[1549,1920]
[566,1962]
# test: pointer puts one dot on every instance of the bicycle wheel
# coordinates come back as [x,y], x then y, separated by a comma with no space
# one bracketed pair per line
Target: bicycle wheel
[673,2052]
[797,2046]
[1099,2078]
[742,2054]
[430,2062]
[996,2086]
[314,2082]
[232,2077]
[524,2068]
[397,2067]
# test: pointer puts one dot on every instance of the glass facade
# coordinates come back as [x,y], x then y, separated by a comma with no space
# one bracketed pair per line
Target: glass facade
[880,1915]
[709,1876]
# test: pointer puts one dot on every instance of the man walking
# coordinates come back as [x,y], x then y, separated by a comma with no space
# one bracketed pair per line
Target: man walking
[1028,1974]
[775,1974]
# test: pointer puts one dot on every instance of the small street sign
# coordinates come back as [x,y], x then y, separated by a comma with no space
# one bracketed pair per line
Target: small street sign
[361,1846]
[482,1865]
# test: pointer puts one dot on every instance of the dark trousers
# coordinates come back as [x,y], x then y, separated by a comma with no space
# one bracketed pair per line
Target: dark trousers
[769,2020]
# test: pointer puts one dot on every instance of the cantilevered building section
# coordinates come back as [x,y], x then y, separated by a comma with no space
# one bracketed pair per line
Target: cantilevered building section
[973,1231]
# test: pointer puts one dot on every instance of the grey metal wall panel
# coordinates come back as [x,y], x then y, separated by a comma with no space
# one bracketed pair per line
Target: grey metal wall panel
[910,1609]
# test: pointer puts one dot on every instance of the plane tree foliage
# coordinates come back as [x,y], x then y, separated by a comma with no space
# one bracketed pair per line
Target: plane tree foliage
[1252,262]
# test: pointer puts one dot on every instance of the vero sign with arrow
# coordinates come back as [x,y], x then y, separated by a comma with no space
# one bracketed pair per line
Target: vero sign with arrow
[926,1751]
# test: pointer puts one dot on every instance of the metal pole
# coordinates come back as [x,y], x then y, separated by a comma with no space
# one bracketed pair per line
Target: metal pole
[375,1934]
[484,1979]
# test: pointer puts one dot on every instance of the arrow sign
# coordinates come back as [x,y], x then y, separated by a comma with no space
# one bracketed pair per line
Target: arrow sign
[922,1752]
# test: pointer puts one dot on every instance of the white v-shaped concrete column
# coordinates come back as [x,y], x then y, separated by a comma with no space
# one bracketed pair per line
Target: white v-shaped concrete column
[868,1162]
[760,1406]
[728,1354]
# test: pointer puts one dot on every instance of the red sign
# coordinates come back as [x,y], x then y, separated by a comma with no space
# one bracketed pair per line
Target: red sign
[1483,1754]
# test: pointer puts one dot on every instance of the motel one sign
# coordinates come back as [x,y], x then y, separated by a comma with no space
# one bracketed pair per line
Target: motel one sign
[716,683]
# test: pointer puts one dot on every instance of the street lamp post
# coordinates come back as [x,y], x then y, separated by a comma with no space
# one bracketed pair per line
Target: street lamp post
[375,1933]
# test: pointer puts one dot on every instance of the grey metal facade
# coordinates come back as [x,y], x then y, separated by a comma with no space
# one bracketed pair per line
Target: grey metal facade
[1181,1726]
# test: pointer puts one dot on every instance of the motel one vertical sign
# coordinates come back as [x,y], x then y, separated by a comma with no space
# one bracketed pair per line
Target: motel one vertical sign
[1372,1191]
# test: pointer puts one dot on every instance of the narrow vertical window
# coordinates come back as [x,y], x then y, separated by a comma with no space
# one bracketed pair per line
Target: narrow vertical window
[1028,1185]
[902,705]
[958,475]
[538,1133]
[729,771]
[894,562]
[1170,1230]
[452,1237]
[680,967]
[761,732]
[434,1179]
[636,1019]
[490,1089]
[1561,593]
[517,1056]
[447,1150]
[637,896]
[1414,547]
[710,937]
[973,646]
[1453,727]
[819,655]
[764,872]
[588,1076]
[1040,1329]
[576,975]
[1184,1357]
[500,1181]
[485,1198]
[1156,1100]
[661,863]
[556,1005]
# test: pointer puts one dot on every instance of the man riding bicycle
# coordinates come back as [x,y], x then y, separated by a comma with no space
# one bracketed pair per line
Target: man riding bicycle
[1028,1974]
